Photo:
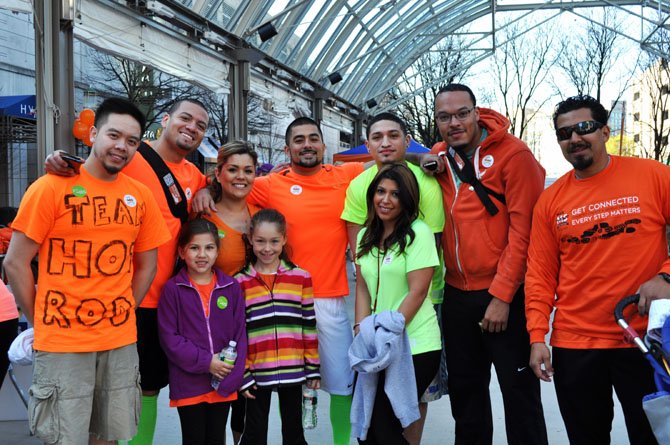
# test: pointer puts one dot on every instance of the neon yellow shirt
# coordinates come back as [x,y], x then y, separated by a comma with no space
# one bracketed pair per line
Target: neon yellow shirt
[423,331]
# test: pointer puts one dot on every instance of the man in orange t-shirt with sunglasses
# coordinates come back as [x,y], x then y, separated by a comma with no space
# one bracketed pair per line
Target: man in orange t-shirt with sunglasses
[598,235]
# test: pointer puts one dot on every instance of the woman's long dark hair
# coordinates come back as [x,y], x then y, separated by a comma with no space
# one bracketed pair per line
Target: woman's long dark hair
[226,151]
[271,216]
[408,195]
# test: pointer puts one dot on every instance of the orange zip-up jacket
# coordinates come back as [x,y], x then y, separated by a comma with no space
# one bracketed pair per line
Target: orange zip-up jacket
[483,251]
[593,242]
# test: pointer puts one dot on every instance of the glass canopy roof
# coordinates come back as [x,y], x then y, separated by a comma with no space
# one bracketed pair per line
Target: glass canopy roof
[369,43]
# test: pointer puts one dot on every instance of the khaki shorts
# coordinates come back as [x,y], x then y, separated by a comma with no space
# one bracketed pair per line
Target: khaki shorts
[74,395]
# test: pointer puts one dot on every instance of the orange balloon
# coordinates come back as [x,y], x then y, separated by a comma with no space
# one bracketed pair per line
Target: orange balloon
[87,116]
[80,129]
[87,139]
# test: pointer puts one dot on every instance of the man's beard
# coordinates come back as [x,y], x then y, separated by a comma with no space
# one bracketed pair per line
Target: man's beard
[582,162]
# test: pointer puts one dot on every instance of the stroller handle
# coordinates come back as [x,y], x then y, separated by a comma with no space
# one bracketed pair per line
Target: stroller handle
[621,321]
[621,305]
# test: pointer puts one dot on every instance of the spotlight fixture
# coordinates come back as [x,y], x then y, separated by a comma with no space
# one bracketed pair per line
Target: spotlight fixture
[215,38]
[334,77]
[371,103]
[160,9]
[267,31]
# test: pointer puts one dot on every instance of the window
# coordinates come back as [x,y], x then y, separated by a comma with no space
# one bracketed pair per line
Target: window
[636,117]
[636,96]
[664,89]
[664,114]
[636,138]
[664,140]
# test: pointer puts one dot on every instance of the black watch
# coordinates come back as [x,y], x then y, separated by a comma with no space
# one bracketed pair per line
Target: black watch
[665,276]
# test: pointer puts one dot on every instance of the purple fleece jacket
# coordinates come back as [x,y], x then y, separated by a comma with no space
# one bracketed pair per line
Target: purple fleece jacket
[190,339]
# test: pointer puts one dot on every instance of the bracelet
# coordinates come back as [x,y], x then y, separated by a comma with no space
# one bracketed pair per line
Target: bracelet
[356,325]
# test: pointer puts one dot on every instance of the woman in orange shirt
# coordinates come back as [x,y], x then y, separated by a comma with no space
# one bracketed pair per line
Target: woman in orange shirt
[231,183]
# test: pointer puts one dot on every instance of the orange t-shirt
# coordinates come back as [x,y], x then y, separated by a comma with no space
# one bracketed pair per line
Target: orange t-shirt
[210,397]
[88,230]
[205,291]
[268,279]
[312,205]
[191,180]
[232,250]
[594,241]
[8,309]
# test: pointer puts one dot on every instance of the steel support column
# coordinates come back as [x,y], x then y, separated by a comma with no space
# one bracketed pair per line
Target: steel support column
[54,78]
[238,100]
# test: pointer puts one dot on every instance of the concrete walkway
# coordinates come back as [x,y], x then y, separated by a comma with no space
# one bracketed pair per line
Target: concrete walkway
[439,428]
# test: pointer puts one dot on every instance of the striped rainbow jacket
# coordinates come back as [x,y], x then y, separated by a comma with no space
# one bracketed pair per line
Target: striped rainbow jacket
[282,348]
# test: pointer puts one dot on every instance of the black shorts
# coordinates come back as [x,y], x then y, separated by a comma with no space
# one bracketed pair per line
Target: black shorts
[153,362]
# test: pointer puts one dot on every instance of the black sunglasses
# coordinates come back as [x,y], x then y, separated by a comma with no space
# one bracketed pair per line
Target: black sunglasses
[581,128]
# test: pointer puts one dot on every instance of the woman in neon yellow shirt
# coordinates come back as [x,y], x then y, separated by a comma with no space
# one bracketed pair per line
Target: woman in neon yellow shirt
[395,258]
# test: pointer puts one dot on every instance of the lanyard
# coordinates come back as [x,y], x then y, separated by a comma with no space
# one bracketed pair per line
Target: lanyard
[379,267]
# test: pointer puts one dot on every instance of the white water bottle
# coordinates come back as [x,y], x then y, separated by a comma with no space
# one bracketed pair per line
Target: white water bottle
[228,355]
[309,400]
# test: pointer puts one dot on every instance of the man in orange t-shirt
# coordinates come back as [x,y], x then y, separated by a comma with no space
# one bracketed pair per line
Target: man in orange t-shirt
[97,236]
[311,196]
[598,235]
[184,127]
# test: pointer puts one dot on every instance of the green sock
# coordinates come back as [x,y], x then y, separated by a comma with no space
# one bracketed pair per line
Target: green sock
[147,426]
[340,409]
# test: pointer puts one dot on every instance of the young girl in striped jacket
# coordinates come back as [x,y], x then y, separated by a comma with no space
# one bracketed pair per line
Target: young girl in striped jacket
[281,331]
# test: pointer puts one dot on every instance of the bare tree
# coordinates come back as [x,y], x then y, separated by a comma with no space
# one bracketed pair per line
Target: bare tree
[446,62]
[217,107]
[590,58]
[153,91]
[264,128]
[521,66]
[655,86]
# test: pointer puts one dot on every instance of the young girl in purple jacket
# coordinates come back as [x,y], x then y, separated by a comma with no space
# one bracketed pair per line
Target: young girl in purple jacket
[200,311]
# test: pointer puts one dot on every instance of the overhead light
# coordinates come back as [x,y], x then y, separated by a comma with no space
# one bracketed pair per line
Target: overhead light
[283,74]
[334,77]
[267,31]
[215,38]
[160,9]
[304,86]
[68,10]
[371,103]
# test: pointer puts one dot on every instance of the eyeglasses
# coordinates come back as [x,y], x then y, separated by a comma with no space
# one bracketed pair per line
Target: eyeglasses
[581,128]
[445,118]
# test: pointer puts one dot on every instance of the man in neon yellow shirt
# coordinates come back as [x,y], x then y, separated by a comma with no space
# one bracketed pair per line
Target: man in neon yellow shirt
[388,142]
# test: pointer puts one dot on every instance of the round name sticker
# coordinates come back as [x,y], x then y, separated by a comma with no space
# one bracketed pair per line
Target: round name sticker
[222,234]
[79,191]
[130,200]
[296,190]
[188,193]
[487,161]
[222,302]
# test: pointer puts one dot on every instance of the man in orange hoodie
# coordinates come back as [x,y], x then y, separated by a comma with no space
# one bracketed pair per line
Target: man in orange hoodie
[598,235]
[490,182]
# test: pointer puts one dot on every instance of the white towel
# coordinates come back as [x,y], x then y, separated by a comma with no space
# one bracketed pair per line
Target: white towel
[21,350]
[658,313]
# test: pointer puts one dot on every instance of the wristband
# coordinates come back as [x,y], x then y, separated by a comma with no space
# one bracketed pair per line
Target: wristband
[356,325]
